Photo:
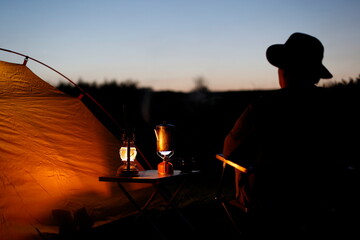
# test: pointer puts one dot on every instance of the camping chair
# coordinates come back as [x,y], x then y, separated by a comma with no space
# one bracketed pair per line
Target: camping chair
[244,227]
[229,204]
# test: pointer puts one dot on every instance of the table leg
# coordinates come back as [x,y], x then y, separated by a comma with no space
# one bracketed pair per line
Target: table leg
[170,201]
[142,210]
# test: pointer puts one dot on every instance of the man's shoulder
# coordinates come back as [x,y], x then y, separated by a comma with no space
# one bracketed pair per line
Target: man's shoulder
[269,98]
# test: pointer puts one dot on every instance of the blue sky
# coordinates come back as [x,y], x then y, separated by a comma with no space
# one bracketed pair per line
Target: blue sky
[167,44]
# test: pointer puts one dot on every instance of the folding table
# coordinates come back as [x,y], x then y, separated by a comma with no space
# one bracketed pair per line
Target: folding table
[159,182]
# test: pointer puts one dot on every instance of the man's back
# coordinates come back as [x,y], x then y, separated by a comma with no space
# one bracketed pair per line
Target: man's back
[296,166]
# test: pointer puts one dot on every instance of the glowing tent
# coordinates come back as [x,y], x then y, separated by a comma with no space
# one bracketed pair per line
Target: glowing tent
[52,151]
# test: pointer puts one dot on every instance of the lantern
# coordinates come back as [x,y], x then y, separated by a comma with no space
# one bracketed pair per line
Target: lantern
[128,154]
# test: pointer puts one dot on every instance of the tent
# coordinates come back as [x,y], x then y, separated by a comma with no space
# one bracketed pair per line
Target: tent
[52,152]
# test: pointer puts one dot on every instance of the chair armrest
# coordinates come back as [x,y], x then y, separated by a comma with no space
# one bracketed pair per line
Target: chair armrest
[231,163]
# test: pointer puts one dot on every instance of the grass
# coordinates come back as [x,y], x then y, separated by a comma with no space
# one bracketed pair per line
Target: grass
[198,215]
[205,219]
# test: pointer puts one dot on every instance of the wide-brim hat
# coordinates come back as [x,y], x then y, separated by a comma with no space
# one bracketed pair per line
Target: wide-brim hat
[300,52]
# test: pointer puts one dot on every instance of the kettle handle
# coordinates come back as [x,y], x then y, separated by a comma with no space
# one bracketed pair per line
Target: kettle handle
[157,138]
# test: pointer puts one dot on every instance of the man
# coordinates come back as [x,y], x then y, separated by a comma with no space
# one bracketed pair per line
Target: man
[284,137]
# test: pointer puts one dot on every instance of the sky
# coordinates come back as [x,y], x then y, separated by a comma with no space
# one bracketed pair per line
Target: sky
[168,44]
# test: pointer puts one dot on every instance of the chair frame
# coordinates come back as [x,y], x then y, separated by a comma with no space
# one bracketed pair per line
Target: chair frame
[219,196]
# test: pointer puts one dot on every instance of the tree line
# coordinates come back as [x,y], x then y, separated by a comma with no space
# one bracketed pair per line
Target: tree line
[201,117]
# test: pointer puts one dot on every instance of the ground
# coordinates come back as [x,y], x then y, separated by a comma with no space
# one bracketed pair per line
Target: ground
[205,219]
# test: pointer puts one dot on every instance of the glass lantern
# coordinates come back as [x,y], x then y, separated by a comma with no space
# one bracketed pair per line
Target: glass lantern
[128,154]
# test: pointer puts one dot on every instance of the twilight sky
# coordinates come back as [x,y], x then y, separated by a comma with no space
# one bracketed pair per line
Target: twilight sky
[167,44]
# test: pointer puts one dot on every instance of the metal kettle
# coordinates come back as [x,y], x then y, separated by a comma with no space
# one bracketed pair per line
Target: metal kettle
[164,137]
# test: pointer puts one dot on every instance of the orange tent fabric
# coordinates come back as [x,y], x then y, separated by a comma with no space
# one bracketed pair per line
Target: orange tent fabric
[52,151]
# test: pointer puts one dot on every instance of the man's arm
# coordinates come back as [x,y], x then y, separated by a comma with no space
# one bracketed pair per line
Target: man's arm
[240,134]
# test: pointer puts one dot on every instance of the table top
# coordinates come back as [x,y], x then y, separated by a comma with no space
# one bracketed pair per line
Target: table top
[148,176]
